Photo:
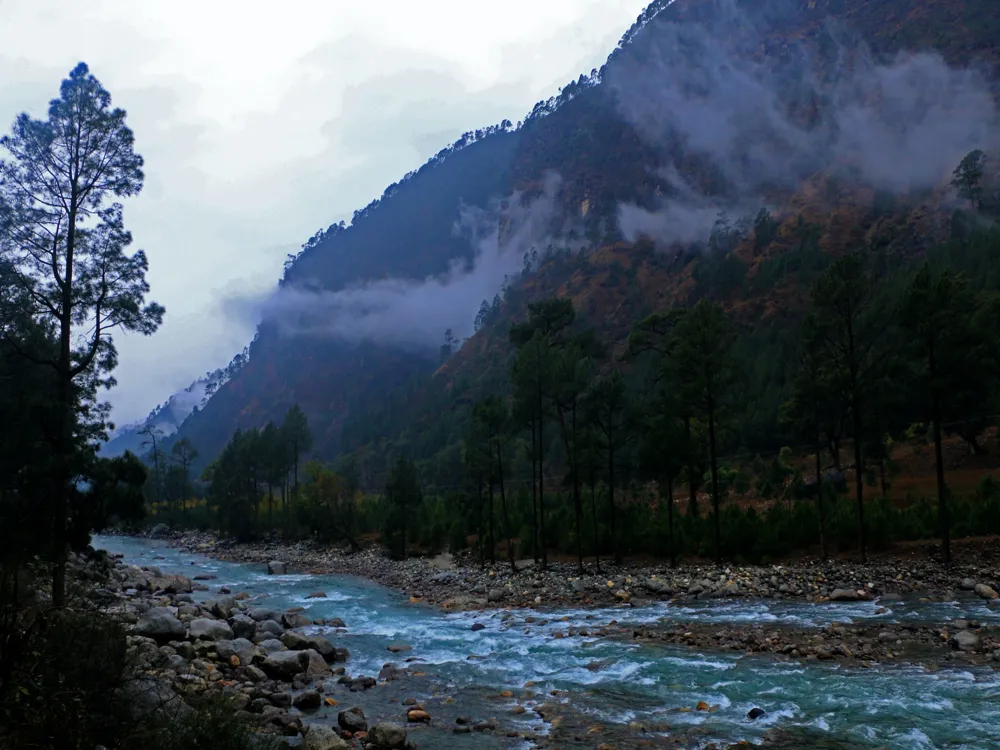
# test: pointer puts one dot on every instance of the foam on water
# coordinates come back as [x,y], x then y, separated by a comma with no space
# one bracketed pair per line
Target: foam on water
[899,707]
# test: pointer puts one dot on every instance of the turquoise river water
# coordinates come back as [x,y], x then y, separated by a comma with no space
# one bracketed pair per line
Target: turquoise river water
[891,706]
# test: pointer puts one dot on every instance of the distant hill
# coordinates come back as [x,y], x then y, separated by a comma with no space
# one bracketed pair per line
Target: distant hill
[639,186]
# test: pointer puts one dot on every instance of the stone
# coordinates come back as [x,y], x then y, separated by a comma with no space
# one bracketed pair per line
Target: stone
[985,592]
[161,624]
[241,648]
[495,595]
[335,622]
[209,630]
[286,665]
[316,665]
[418,716]
[271,627]
[271,645]
[353,720]
[281,700]
[477,627]
[295,641]
[319,737]
[322,646]
[256,674]
[243,626]
[968,584]
[260,614]
[317,595]
[756,713]
[223,607]
[967,641]
[308,700]
[398,648]
[844,595]
[387,736]
[276,568]
[296,620]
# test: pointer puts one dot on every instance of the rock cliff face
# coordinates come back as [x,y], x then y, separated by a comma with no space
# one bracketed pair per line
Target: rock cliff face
[706,106]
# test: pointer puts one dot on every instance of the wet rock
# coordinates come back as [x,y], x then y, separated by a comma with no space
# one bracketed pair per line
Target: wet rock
[399,648]
[476,627]
[295,641]
[281,700]
[844,595]
[270,645]
[261,614]
[317,595]
[322,646]
[755,713]
[286,665]
[386,736]
[353,719]
[967,641]
[276,568]
[241,648]
[296,620]
[335,622]
[243,626]
[387,673]
[319,737]
[161,624]
[308,700]
[360,684]
[985,592]
[209,630]
[418,716]
[270,627]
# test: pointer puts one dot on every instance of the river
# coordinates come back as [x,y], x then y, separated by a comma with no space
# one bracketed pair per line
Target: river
[891,706]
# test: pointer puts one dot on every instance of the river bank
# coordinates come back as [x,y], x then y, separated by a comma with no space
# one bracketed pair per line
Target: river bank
[630,675]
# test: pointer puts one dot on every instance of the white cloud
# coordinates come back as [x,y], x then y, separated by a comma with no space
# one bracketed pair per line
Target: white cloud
[261,123]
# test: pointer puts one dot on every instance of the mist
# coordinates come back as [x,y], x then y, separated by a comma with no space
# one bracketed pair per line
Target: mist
[756,124]
[416,313]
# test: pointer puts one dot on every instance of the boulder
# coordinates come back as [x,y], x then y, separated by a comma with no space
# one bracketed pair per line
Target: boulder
[387,736]
[209,630]
[307,701]
[286,665]
[322,646]
[755,713]
[296,620]
[223,607]
[169,584]
[243,626]
[270,627]
[277,568]
[241,648]
[353,720]
[968,584]
[295,641]
[319,737]
[270,645]
[844,595]
[161,624]
[260,614]
[966,640]
[161,529]
[317,666]
[335,622]
[476,627]
[985,592]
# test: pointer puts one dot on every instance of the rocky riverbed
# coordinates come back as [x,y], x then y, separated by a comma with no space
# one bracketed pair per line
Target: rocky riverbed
[456,585]
[297,669]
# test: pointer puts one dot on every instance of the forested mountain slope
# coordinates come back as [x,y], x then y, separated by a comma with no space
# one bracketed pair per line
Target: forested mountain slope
[797,121]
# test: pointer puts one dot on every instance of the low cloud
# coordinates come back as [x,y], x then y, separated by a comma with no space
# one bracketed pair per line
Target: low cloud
[749,125]
[409,312]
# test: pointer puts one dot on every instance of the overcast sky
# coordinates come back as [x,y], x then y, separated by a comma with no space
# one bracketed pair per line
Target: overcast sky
[262,122]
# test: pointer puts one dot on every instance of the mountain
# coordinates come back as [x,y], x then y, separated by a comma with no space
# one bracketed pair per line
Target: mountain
[167,418]
[725,149]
